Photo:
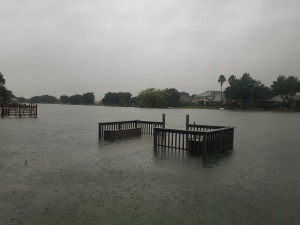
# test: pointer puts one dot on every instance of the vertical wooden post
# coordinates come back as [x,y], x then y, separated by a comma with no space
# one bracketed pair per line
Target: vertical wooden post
[2,111]
[232,137]
[164,120]
[99,130]
[19,110]
[205,144]
[155,138]
[187,122]
[221,141]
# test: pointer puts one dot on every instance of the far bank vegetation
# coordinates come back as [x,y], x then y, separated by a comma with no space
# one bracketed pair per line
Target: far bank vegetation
[243,92]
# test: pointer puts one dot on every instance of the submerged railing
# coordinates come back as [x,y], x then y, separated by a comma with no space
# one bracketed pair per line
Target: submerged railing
[19,110]
[147,127]
[206,141]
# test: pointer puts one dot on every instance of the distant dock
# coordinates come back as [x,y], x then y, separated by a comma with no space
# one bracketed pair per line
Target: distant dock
[19,110]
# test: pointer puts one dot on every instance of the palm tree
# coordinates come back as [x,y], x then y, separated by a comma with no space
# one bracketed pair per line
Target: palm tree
[221,80]
[2,80]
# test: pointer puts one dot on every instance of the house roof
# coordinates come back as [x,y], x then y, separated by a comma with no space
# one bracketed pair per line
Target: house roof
[277,98]
[209,94]
[185,98]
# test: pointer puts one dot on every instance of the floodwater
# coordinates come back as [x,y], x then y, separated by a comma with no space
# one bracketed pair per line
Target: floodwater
[53,170]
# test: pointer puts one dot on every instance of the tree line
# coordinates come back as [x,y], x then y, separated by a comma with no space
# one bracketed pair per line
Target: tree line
[5,94]
[117,99]
[149,98]
[245,89]
[241,92]
[85,99]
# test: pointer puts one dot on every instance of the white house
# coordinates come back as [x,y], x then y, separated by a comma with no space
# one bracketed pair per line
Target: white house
[208,98]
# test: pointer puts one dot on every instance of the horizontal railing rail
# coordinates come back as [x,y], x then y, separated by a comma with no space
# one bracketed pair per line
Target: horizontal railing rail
[202,127]
[146,126]
[204,139]
[199,141]
[18,110]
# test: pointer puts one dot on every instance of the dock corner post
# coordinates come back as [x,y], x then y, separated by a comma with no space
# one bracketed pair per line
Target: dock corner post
[99,130]
[221,141]
[19,110]
[187,122]
[2,111]
[232,138]
[205,144]
[135,123]
[164,120]
[155,138]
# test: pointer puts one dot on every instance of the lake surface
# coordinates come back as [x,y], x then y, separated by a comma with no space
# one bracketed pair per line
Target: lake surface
[53,170]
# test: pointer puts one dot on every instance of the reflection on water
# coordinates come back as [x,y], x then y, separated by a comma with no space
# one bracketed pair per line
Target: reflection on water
[53,170]
[209,161]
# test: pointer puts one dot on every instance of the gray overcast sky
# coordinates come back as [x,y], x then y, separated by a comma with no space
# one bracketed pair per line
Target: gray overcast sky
[69,47]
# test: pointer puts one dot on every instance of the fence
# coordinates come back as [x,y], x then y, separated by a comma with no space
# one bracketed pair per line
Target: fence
[203,139]
[19,110]
[147,127]
[206,141]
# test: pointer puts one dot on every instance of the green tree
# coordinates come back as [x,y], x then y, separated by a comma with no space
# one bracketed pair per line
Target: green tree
[88,98]
[133,101]
[75,99]
[5,95]
[44,99]
[117,99]
[21,99]
[245,89]
[262,92]
[64,99]
[111,99]
[173,97]
[221,80]
[286,87]
[2,80]
[231,79]
[126,96]
[231,92]
[152,98]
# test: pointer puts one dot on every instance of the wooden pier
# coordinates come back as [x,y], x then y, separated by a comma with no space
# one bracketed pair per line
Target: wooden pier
[200,139]
[117,134]
[19,110]
[203,142]
[147,127]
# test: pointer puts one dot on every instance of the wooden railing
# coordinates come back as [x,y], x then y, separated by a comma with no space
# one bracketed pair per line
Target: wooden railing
[203,139]
[174,138]
[19,110]
[147,127]
[196,127]
[207,141]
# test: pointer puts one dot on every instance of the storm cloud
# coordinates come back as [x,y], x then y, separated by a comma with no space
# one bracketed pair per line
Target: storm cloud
[71,47]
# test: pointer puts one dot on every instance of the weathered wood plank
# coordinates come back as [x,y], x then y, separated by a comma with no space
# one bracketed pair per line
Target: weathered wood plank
[118,134]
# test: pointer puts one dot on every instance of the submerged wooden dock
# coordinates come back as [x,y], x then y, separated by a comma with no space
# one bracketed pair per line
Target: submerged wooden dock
[19,110]
[202,139]
[146,127]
